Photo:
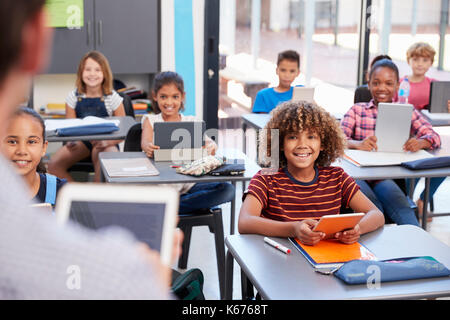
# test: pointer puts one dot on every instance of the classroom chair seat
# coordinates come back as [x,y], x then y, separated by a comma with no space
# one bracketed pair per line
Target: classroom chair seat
[212,218]
[133,138]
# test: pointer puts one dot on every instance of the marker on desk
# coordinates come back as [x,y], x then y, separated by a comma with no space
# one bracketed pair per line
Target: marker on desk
[275,244]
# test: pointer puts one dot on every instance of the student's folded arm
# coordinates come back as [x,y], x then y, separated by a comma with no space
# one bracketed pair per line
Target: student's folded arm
[250,221]
[373,218]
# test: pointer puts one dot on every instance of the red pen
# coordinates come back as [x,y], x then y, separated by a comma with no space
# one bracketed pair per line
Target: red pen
[275,244]
[175,166]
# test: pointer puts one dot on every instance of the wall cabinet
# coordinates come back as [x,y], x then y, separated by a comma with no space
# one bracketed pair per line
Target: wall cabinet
[126,32]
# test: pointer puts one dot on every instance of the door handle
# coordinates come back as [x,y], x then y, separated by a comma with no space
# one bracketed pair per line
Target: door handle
[88,29]
[211,73]
[100,32]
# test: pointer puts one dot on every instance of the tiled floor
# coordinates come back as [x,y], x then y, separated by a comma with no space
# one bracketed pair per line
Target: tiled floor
[202,252]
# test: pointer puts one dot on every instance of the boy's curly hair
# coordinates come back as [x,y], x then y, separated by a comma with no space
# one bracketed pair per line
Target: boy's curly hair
[295,116]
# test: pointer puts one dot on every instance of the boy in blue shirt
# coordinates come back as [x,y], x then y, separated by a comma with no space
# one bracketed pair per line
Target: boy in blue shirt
[288,68]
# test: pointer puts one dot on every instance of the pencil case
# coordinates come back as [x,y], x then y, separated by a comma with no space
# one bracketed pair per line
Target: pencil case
[88,129]
[232,169]
[428,163]
[201,166]
[365,271]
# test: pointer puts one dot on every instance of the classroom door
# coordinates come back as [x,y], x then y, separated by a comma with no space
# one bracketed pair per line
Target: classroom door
[211,65]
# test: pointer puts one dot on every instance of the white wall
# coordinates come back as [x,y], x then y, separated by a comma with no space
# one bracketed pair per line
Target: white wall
[52,88]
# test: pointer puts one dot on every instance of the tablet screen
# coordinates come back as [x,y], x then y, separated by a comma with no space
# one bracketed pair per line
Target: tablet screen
[144,220]
[330,224]
[179,135]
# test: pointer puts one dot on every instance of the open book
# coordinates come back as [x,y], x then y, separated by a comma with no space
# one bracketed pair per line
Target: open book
[129,167]
[376,158]
[331,254]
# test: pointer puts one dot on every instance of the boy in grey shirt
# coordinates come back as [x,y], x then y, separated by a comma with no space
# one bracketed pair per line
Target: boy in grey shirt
[38,258]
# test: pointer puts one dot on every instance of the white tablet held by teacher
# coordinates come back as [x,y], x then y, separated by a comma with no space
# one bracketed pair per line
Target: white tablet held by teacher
[148,212]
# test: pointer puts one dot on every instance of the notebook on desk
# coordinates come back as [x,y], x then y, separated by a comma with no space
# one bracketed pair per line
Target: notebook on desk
[329,254]
[130,167]
[86,126]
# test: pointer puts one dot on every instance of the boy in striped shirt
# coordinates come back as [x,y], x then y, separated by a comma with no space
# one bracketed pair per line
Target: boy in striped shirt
[289,202]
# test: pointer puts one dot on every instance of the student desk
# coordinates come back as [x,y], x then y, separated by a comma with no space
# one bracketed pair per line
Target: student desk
[437,119]
[279,276]
[169,175]
[124,126]
[396,172]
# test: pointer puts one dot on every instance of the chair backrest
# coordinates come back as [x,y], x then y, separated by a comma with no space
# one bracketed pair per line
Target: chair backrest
[362,94]
[128,105]
[133,138]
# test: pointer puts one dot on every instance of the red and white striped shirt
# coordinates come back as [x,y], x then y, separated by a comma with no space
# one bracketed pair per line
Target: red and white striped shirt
[284,198]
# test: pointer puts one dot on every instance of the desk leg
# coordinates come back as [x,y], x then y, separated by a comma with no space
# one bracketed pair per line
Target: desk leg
[244,138]
[228,276]
[246,287]
[412,185]
[233,210]
[425,203]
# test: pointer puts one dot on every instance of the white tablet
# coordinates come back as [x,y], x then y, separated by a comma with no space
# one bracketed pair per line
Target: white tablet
[393,126]
[148,212]
[303,93]
[330,224]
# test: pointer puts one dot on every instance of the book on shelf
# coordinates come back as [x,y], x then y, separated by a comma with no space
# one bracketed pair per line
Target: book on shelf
[129,167]
[331,254]
[376,158]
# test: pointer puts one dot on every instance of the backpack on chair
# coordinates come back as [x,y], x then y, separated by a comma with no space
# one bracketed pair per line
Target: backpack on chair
[188,285]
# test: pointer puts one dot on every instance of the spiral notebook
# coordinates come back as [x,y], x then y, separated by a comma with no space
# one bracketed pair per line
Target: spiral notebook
[328,254]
